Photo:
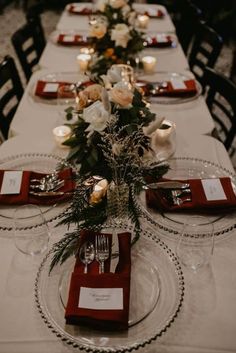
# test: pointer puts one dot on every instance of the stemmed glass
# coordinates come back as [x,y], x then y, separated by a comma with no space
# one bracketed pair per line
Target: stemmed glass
[31,233]
[195,246]
[66,97]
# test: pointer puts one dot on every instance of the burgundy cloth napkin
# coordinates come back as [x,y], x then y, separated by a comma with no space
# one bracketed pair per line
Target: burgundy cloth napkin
[154,43]
[169,90]
[158,199]
[109,319]
[84,11]
[39,90]
[78,40]
[158,14]
[25,198]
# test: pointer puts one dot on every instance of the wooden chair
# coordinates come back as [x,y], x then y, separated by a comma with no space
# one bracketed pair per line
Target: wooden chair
[189,18]
[205,50]
[29,43]
[220,98]
[11,91]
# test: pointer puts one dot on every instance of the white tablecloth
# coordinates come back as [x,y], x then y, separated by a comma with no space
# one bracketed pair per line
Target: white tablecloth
[206,322]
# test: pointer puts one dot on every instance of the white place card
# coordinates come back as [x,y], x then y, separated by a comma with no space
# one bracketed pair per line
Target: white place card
[213,189]
[78,8]
[11,183]
[152,12]
[161,38]
[51,87]
[68,38]
[101,298]
[178,83]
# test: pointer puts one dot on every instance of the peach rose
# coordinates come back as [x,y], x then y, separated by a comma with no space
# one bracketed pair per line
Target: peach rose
[121,95]
[81,100]
[98,30]
[94,92]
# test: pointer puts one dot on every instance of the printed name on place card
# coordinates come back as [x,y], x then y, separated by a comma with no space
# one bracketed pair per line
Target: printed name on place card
[101,298]
[51,87]
[213,189]
[178,83]
[11,183]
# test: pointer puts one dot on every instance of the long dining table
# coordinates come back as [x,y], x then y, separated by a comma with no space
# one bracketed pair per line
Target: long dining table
[206,322]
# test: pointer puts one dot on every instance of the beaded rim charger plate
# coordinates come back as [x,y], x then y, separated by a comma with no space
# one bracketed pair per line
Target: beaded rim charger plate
[157,291]
[170,223]
[37,162]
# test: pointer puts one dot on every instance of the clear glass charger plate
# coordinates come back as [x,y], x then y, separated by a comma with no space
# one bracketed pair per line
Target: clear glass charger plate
[171,223]
[162,76]
[157,291]
[70,77]
[37,162]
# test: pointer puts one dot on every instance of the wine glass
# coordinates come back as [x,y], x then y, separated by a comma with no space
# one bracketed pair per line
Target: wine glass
[31,233]
[66,97]
[196,242]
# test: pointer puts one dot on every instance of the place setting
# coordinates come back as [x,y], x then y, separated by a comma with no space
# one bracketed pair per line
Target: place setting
[34,179]
[166,87]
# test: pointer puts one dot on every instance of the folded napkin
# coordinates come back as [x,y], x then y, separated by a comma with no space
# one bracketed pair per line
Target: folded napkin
[153,13]
[160,41]
[42,91]
[211,195]
[24,197]
[169,90]
[103,286]
[79,10]
[72,39]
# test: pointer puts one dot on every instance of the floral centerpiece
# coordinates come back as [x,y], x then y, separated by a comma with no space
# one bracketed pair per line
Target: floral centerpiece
[112,143]
[113,35]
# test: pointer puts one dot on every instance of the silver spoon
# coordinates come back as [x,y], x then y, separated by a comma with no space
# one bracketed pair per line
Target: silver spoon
[87,254]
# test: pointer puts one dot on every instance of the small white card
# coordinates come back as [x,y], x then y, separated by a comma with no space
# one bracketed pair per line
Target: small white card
[161,38]
[213,189]
[11,183]
[77,8]
[101,298]
[68,38]
[152,12]
[51,87]
[178,83]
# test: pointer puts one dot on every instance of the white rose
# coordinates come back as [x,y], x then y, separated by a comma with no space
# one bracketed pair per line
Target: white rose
[120,34]
[101,4]
[98,29]
[114,74]
[117,4]
[96,116]
[125,10]
[132,18]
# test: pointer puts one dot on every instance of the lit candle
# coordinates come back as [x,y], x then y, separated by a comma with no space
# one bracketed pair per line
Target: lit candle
[99,191]
[83,61]
[86,50]
[163,140]
[61,134]
[143,21]
[149,64]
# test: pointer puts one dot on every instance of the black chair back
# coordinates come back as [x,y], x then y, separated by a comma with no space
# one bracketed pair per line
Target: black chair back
[11,91]
[190,16]
[29,43]
[221,101]
[205,50]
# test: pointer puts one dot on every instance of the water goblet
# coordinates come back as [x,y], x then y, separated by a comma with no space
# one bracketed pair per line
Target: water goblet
[31,233]
[196,242]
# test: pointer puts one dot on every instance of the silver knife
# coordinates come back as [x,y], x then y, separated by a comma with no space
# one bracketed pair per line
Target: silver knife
[50,193]
[167,185]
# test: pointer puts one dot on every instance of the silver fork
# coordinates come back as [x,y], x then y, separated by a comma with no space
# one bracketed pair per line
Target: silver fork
[178,201]
[101,251]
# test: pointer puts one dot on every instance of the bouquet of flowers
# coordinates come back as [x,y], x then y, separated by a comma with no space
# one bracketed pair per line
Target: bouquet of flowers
[113,35]
[112,145]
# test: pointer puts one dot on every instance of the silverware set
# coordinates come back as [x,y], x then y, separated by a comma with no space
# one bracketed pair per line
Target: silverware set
[47,185]
[99,252]
[175,191]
